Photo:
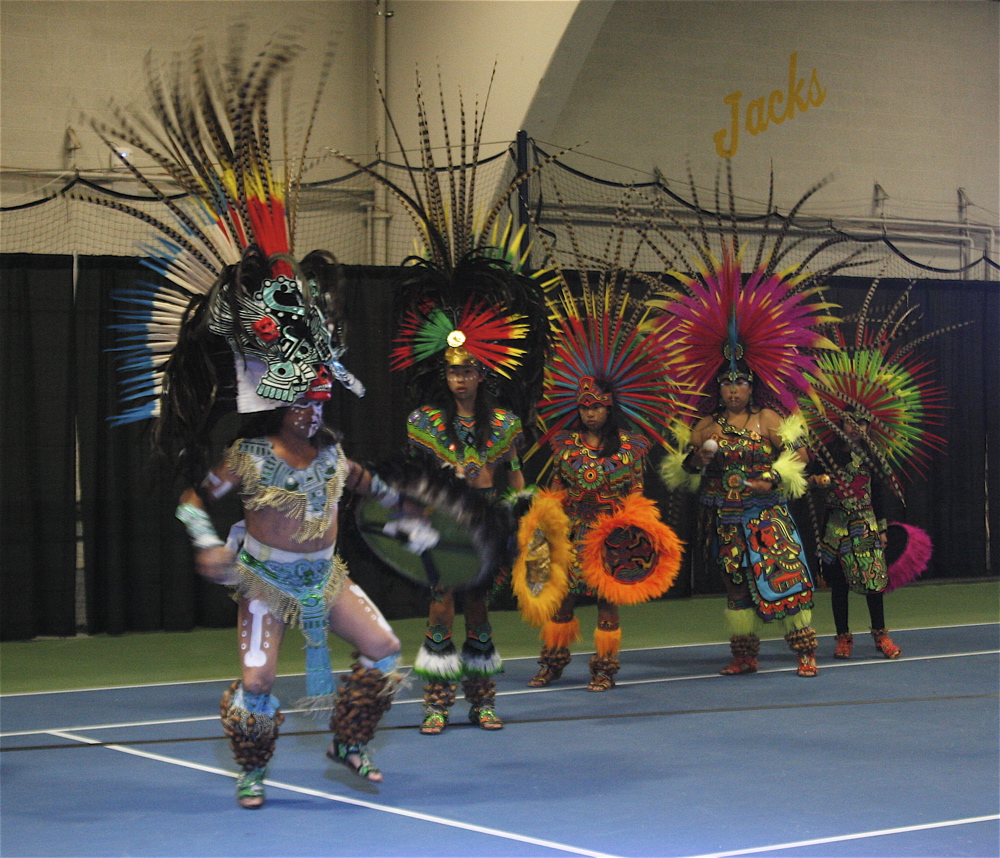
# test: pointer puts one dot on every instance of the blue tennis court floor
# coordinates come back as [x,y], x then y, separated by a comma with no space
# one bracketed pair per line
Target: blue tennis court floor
[871,758]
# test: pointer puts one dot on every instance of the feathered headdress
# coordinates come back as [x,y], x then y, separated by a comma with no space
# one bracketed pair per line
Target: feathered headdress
[226,252]
[466,295]
[441,199]
[598,307]
[477,334]
[878,378]
[729,318]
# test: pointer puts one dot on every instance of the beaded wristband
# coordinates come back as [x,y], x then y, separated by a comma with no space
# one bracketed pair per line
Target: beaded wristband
[383,492]
[198,525]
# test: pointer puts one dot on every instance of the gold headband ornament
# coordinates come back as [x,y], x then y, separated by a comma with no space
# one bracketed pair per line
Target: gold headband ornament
[589,394]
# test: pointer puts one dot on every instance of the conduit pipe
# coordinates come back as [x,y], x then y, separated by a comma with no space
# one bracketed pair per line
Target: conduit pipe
[379,212]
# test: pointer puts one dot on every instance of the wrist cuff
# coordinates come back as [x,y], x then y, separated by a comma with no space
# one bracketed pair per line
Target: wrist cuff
[688,464]
[383,492]
[198,525]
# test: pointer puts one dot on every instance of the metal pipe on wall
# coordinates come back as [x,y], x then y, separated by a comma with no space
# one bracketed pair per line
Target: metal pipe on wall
[379,212]
[960,236]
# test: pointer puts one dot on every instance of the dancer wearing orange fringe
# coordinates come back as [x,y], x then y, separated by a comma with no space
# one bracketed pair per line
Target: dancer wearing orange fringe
[597,465]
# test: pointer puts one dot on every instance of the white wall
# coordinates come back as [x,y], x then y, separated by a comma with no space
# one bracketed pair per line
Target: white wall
[64,57]
[910,99]
[910,89]
[464,39]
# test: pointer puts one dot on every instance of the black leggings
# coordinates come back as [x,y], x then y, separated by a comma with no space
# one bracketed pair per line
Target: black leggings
[834,575]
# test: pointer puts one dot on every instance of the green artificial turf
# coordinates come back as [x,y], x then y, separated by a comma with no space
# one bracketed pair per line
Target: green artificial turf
[210,654]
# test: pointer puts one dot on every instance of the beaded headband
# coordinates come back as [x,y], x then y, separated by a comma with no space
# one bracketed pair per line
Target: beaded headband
[589,394]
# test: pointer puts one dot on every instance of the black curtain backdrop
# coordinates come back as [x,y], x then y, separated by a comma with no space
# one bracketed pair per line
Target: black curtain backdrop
[37,458]
[60,385]
[958,500]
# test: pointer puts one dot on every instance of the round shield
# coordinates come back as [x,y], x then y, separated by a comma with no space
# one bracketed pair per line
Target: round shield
[630,556]
[472,533]
[540,576]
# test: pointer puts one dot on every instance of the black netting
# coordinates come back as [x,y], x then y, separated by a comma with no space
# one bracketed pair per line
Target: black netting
[342,210]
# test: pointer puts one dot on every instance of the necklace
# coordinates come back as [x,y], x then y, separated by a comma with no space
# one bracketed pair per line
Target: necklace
[466,429]
[726,425]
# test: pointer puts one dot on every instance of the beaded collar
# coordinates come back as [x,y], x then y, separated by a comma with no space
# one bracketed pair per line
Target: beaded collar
[309,494]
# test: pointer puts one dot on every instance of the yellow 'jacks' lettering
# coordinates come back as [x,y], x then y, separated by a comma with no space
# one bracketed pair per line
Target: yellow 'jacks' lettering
[776,108]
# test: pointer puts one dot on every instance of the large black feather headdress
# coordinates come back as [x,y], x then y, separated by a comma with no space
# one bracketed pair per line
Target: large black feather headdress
[237,323]
[468,283]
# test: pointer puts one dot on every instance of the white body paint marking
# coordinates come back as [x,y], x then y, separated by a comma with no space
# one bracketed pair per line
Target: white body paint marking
[375,613]
[256,657]
[217,486]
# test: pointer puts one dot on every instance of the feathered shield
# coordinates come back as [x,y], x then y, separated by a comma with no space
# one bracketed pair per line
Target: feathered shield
[540,577]
[631,556]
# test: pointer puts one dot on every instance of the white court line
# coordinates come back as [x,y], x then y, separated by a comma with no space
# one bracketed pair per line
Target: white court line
[506,835]
[423,817]
[547,690]
[157,723]
[229,679]
[819,841]
[854,662]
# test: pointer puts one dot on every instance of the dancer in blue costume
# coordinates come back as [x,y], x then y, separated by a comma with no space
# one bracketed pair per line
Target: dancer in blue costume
[290,475]
[745,336]
[237,322]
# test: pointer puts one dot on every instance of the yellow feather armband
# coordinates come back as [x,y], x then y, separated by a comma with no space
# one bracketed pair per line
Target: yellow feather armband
[672,470]
[792,431]
[674,475]
[792,473]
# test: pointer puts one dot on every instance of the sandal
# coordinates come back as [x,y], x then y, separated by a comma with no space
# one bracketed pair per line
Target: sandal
[845,644]
[885,644]
[250,789]
[547,674]
[601,682]
[740,664]
[807,664]
[434,723]
[485,717]
[341,752]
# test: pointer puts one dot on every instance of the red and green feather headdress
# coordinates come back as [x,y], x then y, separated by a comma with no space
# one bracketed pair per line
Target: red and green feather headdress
[485,332]
[880,378]
[465,296]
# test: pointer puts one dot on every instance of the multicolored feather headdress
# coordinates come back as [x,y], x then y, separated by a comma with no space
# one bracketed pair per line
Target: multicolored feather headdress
[498,326]
[465,296]
[879,379]
[730,319]
[477,334]
[225,251]
[727,322]
[598,308]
